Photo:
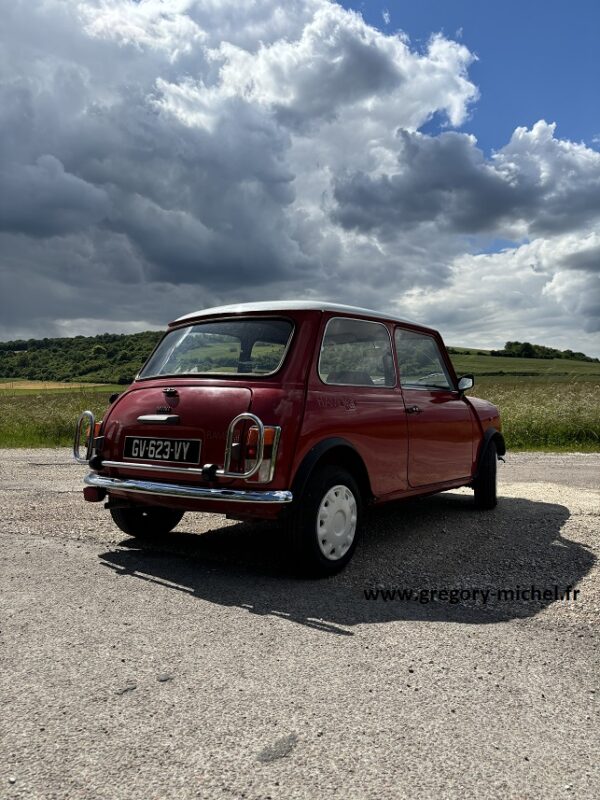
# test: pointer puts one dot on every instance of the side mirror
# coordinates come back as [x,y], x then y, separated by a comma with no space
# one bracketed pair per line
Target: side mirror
[466,382]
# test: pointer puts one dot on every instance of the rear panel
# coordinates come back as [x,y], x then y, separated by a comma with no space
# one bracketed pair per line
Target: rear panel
[159,416]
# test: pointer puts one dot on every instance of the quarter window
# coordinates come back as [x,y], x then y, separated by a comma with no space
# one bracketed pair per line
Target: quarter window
[420,362]
[356,353]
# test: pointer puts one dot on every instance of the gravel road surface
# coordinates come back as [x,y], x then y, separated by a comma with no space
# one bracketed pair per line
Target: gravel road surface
[200,668]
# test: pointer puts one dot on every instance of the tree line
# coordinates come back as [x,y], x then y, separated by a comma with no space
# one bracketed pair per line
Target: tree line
[106,358]
[528,350]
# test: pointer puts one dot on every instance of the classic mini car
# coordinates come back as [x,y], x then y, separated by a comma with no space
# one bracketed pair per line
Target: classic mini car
[305,412]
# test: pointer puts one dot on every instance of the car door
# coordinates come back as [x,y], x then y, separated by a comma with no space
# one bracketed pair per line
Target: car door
[440,432]
[353,396]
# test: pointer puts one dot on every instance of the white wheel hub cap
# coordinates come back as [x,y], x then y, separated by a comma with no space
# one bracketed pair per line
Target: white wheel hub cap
[336,522]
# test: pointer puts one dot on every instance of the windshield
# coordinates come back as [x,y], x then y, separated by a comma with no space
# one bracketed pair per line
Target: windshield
[240,346]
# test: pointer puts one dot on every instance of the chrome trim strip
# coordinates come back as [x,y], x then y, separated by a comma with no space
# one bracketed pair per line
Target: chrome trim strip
[77,440]
[162,419]
[153,467]
[187,492]
[274,452]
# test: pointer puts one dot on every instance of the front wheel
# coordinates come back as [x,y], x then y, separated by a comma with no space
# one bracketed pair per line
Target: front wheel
[146,522]
[485,482]
[324,526]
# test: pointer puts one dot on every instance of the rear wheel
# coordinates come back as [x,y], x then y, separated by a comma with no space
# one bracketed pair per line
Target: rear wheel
[146,522]
[485,482]
[324,524]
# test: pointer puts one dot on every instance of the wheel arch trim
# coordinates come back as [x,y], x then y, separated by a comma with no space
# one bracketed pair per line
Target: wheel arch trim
[317,455]
[490,434]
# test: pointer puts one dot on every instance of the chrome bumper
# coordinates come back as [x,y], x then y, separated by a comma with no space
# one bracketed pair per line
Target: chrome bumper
[187,492]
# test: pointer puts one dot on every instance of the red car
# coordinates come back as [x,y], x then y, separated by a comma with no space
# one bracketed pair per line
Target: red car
[305,412]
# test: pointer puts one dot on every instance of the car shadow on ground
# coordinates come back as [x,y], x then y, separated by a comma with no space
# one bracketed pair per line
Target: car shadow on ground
[426,544]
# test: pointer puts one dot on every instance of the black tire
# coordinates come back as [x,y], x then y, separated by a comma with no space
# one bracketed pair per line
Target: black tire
[485,482]
[334,485]
[146,522]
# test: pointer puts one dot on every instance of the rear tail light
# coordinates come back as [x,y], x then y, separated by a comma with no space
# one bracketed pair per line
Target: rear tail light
[271,441]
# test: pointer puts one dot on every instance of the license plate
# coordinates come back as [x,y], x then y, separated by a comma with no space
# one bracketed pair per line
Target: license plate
[179,451]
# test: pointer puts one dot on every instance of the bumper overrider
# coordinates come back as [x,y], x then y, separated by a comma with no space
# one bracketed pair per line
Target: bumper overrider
[103,484]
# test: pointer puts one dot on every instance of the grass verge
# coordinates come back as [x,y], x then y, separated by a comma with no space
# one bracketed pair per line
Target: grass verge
[546,415]
[35,418]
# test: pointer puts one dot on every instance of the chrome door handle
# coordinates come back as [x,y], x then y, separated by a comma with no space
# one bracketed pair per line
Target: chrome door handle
[414,410]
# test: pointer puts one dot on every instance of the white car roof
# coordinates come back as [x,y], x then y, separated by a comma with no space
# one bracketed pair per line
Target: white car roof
[289,305]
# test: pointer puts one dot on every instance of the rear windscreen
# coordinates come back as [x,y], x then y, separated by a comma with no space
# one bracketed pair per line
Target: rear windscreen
[240,347]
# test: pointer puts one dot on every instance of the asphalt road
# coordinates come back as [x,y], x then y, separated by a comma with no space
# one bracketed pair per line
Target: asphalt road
[200,667]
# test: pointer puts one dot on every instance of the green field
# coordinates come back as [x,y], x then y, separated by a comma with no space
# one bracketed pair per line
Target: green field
[34,417]
[547,410]
[546,415]
[546,404]
[549,369]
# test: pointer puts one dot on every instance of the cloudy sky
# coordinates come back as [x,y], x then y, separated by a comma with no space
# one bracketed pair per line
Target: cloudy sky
[420,158]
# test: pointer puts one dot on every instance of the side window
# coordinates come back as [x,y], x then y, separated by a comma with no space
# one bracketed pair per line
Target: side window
[357,353]
[420,362]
